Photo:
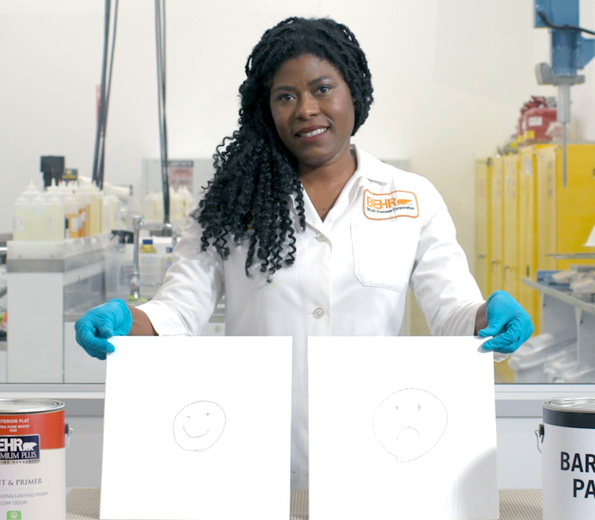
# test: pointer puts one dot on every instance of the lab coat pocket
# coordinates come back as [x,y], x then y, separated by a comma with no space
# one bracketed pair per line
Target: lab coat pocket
[384,253]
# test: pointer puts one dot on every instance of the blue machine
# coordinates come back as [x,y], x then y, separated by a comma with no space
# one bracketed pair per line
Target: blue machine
[570,51]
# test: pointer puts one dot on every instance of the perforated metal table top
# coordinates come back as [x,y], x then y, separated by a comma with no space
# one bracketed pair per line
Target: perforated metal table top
[515,504]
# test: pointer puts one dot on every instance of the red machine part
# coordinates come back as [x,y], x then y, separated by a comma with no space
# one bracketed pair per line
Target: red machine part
[536,117]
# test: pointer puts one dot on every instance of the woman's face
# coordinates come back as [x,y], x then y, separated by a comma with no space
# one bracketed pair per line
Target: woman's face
[313,111]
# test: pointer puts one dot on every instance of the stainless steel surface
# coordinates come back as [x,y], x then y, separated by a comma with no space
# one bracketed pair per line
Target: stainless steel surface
[564,296]
[82,261]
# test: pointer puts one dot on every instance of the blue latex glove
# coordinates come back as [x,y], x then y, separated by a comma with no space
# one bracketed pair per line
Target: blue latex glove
[507,321]
[113,318]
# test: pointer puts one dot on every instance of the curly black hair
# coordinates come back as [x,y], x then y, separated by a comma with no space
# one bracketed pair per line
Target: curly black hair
[256,176]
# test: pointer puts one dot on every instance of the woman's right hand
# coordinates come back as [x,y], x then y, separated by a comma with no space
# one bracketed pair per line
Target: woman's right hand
[113,318]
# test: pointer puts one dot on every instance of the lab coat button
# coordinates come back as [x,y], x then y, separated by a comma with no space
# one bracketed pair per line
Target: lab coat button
[318,313]
[320,237]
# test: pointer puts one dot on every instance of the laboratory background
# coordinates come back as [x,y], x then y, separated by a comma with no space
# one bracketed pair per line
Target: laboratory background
[107,134]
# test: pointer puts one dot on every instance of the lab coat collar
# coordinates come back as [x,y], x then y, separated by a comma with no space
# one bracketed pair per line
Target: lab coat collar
[368,169]
[371,168]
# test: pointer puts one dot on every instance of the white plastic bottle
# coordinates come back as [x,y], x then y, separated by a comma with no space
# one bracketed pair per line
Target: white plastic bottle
[20,212]
[84,198]
[38,223]
[150,269]
[29,211]
[176,207]
[110,214]
[158,204]
[187,199]
[96,209]
[31,191]
[153,211]
[71,210]
[54,214]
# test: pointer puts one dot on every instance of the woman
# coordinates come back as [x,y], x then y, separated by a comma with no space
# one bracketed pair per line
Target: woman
[306,234]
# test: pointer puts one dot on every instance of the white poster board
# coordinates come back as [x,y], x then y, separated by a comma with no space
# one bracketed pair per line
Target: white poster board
[401,427]
[197,428]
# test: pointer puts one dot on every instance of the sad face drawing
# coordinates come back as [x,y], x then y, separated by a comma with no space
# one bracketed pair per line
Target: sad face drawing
[199,425]
[409,423]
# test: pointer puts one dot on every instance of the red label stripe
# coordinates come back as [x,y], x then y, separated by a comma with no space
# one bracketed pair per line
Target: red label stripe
[49,426]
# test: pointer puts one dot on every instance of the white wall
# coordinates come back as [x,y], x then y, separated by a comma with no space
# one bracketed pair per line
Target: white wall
[450,78]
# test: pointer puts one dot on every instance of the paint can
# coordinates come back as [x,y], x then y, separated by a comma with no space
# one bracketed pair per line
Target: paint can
[568,458]
[32,459]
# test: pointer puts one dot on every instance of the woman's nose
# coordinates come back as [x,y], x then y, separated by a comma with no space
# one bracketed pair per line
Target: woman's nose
[307,107]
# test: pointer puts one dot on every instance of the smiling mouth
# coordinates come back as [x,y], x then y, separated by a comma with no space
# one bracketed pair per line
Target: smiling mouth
[313,133]
[194,436]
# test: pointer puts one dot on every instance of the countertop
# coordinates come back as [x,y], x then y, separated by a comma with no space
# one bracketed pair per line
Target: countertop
[515,504]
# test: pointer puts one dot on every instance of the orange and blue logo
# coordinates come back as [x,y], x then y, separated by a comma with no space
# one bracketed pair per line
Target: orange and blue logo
[384,206]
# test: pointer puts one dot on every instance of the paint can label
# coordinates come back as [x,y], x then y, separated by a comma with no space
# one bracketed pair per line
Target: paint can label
[568,473]
[32,466]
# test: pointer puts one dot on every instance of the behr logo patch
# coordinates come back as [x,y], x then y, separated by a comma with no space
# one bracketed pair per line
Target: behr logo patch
[383,206]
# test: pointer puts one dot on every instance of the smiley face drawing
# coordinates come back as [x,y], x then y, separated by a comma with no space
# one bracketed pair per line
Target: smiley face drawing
[409,423]
[199,425]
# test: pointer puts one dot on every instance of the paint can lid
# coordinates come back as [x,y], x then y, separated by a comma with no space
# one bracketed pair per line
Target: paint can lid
[18,406]
[571,404]
[570,412]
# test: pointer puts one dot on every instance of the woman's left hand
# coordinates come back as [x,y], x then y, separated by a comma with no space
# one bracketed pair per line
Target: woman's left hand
[507,321]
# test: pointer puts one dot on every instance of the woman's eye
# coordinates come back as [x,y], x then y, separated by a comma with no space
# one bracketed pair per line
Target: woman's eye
[284,97]
[324,89]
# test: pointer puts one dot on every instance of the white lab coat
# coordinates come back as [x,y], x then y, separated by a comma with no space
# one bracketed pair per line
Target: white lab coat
[387,230]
